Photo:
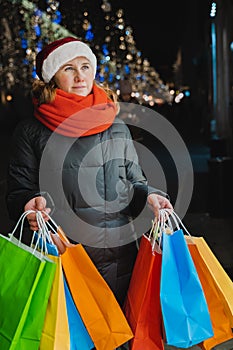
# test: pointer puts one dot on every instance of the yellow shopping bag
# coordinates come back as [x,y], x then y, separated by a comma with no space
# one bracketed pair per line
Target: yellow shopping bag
[221,278]
[218,314]
[55,333]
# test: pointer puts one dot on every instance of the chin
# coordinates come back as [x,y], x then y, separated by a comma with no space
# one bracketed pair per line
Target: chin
[80,93]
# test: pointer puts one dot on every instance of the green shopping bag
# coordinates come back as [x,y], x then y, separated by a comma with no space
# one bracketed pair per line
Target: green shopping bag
[25,283]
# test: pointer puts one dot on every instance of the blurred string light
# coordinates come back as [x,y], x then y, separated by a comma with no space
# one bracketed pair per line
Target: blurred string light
[181,94]
[213,9]
[213,12]
[9,97]
[179,97]
[214,56]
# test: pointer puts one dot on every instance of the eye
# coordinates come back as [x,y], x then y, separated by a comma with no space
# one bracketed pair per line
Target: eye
[86,67]
[67,68]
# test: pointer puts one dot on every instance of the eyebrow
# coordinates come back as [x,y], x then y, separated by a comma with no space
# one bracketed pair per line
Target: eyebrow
[71,64]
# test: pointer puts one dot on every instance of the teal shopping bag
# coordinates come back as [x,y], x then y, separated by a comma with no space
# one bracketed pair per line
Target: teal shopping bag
[25,283]
[185,311]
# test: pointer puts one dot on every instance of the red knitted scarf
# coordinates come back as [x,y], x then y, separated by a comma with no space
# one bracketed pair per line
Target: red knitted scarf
[74,116]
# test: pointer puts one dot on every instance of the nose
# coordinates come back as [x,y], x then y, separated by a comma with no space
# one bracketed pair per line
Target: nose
[78,75]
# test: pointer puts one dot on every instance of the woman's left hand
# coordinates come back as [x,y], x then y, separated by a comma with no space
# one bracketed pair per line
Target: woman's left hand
[157,202]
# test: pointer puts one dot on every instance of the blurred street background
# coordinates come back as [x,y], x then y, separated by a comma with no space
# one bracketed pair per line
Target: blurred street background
[177,61]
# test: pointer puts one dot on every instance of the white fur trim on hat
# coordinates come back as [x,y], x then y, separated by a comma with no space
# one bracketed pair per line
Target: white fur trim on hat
[65,53]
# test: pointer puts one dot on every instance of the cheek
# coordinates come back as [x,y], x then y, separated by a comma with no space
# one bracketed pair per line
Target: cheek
[89,81]
[63,82]
[65,85]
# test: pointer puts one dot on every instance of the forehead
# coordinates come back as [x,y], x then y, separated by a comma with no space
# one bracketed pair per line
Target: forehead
[77,60]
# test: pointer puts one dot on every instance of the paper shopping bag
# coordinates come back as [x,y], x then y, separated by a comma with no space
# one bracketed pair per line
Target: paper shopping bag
[96,303]
[185,311]
[221,278]
[79,336]
[55,333]
[142,305]
[63,326]
[219,318]
[25,283]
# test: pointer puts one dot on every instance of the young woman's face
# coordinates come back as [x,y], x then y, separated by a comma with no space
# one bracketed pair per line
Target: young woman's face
[76,76]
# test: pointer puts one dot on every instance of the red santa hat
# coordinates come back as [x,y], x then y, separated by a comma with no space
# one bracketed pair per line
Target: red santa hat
[57,53]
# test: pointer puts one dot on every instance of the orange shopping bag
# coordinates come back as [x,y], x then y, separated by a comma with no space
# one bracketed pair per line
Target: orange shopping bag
[142,305]
[218,312]
[96,303]
[221,278]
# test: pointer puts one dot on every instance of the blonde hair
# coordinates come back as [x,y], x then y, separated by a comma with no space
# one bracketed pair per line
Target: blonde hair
[46,92]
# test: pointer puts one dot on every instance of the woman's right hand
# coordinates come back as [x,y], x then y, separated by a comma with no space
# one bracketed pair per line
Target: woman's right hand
[37,203]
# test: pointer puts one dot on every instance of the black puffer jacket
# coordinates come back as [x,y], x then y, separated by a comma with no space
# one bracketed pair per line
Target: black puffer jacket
[96,185]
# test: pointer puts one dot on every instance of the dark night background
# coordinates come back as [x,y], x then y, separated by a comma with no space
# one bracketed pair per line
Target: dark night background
[161,30]
[171,25]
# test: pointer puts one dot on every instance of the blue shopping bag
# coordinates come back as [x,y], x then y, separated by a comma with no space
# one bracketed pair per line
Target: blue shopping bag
[79,336]
[185,311]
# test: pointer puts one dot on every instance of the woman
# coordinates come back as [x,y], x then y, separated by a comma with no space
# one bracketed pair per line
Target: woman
[77,158]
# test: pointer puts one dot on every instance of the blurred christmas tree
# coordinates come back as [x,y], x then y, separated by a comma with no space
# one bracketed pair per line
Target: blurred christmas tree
[97,23]
[110,36]
[24,29]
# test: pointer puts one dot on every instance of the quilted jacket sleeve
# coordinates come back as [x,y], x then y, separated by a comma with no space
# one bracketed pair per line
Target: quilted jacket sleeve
[23,170]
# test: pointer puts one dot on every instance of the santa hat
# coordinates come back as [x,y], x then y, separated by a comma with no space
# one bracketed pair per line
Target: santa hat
[57,53]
